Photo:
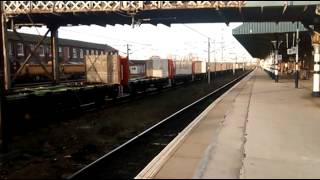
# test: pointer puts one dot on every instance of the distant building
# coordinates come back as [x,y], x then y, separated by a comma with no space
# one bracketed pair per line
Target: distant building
[70,51]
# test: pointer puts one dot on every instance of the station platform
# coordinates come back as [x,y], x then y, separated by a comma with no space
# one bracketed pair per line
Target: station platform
[258,129]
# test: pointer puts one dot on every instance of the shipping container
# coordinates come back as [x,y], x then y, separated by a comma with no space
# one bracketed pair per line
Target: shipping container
[45,70]
[216,66]
[137,68]
[204,67]
[171,70]
[36,69]
[240,65]
[183,67]
[220,67]
[103,69]
[224,66]
[212,66]
[124,70]
[157,68]
[229,66]
[72,68]
[198,67]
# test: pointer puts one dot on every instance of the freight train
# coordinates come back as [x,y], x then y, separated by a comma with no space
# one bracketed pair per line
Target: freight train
[130,76]
[155,73]
[105,74]
[101,64]
[108,76]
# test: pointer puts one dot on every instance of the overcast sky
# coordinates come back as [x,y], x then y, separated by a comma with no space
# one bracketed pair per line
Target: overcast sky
[148,40]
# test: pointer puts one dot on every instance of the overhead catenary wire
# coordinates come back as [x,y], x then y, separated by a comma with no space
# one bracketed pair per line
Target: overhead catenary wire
[209,46]
[200,33]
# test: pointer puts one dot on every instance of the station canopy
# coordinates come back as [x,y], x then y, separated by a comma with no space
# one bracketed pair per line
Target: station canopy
[257,37]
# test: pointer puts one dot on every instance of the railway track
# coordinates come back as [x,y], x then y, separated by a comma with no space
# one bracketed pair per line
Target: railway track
[127,160]
[45,84]
[63,113]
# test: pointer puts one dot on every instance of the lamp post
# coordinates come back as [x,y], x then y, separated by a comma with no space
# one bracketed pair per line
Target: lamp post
[276,45]
[215,62]
[316,75]
[5,82]
[233,57]
[274,62]
[208,68]
[316,67]
[297,58]
[208,63]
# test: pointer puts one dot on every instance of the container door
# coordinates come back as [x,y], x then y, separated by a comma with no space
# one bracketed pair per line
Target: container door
[170,69]
[193,67]
[124,70]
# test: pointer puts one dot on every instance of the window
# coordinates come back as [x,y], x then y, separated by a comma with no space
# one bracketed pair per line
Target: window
[87,52]
[41,51]
[10,49]
[68,52]
[31,47]
[60,51]
[92,52]
[74,53]
[20,51]
[81,53]
[49,51]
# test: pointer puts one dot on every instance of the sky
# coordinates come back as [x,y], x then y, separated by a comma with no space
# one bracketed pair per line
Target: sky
[147,40]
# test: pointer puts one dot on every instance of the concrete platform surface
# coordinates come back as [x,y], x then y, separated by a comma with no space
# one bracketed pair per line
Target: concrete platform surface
[260,129]
[283,131]
[214,148]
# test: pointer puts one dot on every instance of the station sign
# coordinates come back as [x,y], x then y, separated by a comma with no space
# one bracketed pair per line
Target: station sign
[292,50]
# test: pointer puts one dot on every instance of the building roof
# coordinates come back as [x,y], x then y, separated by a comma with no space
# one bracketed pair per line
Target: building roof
[61,42]
[267,28]
[256,37]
